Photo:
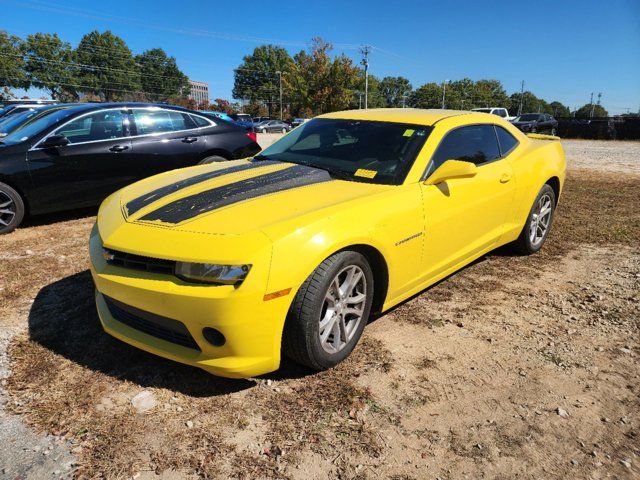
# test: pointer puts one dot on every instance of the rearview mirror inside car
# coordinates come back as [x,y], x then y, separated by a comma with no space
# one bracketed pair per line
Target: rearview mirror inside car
[452,169]
[55,141]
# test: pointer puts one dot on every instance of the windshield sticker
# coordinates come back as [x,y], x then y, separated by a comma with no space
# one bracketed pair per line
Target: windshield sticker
[408,132]
[362,172]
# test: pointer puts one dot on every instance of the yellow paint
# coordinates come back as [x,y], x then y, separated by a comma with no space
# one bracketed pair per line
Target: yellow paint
[286,235]
[362,172]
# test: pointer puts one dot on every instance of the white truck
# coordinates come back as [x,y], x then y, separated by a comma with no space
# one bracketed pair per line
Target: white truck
[499,111]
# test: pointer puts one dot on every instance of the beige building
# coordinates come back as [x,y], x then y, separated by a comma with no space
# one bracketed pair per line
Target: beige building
[199,92]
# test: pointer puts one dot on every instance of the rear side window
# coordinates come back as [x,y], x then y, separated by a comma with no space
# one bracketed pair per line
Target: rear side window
[102,125]
[200,122]
[161,121]
[475,143]
[506,140]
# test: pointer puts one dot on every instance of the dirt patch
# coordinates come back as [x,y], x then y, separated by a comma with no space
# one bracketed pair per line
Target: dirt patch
[465,379]
[603,155]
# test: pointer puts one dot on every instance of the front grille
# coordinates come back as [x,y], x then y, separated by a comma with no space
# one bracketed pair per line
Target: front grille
[138,262]
[161,327]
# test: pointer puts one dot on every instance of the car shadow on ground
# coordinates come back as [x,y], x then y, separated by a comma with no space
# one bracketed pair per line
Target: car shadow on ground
[63,319]
[49,218]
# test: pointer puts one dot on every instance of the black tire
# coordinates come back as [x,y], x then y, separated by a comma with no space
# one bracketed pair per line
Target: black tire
[212,159]
[534,130]
[301,336]
[524,244]
[11,209]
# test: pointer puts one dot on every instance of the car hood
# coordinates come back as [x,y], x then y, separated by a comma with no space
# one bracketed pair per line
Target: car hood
[237,197]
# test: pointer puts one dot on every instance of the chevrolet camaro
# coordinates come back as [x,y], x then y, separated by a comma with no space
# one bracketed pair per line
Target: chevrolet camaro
[228,266]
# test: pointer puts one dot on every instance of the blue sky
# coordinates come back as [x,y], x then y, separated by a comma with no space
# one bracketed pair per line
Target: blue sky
[564,50]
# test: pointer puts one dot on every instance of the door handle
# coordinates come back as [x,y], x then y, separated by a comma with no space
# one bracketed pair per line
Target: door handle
[119,148]
[505,177]
[189,139]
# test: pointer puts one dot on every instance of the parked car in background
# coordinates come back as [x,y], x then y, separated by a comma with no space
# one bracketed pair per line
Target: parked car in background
[11,123]
[298,121]
[536,123]
[75,157]
[272,126]
[28,101]
[499,111]
[16,108]
[257,120]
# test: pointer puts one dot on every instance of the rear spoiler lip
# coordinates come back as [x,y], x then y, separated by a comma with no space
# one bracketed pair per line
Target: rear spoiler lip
[539,136]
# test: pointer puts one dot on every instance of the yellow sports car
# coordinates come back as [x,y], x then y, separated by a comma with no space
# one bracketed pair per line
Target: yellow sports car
[227,266]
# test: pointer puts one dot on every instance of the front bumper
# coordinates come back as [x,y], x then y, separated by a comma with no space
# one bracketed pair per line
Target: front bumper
[251,326]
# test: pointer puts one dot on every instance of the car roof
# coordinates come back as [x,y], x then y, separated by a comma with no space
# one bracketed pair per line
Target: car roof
[417,116]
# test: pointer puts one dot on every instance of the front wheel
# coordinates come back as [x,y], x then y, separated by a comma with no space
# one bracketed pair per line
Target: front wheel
[11,209]
[329,312]
[535,231]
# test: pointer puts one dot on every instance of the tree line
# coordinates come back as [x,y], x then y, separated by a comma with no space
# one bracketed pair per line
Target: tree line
[100,68]
[103,68]
[314,82]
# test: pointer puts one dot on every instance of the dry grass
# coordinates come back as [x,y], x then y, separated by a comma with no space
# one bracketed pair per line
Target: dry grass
[71,379]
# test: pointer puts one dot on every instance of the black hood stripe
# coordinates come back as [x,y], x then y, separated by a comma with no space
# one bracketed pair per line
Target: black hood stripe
[209,200]
[138,203]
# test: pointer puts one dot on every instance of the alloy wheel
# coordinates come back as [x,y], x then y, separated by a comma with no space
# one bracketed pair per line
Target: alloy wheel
[342,309]
[540,220]
[7,209]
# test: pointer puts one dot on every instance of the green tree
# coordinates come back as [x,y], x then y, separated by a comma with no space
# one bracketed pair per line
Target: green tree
[585,111]
[530,103]
[490,93]
[428,95]
[12,72]
[107,67]
[395,91]
[256,79]
[559,110]
[320,84]
[49,62]
[160,77]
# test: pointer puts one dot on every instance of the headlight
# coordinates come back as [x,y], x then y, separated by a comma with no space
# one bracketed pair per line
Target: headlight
[211,273]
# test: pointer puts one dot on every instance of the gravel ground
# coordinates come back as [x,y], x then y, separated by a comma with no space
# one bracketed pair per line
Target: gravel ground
[603,155]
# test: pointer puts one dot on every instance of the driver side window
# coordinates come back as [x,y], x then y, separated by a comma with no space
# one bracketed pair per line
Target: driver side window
[475,143]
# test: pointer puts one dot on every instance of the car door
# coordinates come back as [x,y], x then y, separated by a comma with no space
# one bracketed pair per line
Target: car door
[163,140]
[465,216]
[90,167]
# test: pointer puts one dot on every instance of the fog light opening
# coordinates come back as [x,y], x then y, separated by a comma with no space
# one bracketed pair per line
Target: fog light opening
[213,336]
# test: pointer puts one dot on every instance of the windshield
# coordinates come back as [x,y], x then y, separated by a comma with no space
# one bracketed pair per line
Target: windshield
[482,110]
[356,150]
[527,118]
[29,129]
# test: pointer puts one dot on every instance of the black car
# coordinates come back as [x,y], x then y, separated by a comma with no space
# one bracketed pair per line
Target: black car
[75,157]
[12,122]
[536,123]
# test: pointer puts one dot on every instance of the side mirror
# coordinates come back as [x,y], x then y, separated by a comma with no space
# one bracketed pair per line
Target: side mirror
[452,169]
[55,141]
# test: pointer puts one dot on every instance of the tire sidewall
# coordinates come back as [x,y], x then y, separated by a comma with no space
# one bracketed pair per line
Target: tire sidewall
[19,205]
[546,189]
[320,356]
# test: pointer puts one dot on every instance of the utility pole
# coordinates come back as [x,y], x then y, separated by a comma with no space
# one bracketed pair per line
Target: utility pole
[365,50]
[359,100]
[444,92]
[279,73]
[521,97]
[404,100]
[592,105]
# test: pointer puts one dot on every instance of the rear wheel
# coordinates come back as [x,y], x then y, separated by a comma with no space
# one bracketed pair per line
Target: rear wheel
[535,231]
[330,311]
[11,209]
